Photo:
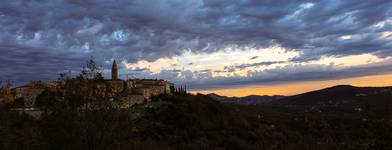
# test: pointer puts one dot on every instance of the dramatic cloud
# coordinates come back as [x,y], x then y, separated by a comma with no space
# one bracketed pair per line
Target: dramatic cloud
[210,43]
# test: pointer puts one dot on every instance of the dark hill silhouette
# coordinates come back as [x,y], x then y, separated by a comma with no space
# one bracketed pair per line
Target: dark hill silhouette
[184,121]
[247,100]
[336,95]
[340,95]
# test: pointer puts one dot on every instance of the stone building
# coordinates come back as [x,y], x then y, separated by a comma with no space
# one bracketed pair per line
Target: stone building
[28,93]
[135,91]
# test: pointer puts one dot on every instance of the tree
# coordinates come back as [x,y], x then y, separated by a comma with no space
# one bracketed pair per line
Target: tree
[92,70]
[7,93]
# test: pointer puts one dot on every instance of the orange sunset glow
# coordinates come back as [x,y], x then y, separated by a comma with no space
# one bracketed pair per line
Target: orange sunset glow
[301,87]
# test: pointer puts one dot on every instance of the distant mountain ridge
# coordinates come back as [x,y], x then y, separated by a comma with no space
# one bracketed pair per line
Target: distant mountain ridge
[247,100]
[340,94]
[332,95]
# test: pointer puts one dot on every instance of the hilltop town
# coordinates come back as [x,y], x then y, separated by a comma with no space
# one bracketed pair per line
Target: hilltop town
[123,93]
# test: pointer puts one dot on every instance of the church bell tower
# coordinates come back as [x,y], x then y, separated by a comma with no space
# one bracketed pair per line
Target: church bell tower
[114,71]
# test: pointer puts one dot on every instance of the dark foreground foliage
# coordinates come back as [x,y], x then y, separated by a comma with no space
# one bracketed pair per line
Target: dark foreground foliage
[197,122]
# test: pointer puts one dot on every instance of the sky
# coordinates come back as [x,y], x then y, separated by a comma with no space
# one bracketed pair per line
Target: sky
[230,47]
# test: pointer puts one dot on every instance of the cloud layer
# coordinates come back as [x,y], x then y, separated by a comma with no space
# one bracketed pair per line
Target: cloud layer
[44,37]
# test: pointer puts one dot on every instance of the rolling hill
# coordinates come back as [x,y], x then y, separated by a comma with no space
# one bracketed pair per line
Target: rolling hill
[340,117]
[336,95]
[340,95]
[247,100]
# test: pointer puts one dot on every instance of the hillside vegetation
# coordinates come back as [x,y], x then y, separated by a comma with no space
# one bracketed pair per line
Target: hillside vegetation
[198,122]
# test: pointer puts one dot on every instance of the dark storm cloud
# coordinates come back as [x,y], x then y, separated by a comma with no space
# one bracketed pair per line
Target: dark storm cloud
[254,57]
[21,64]
[38,37]
[265,63]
